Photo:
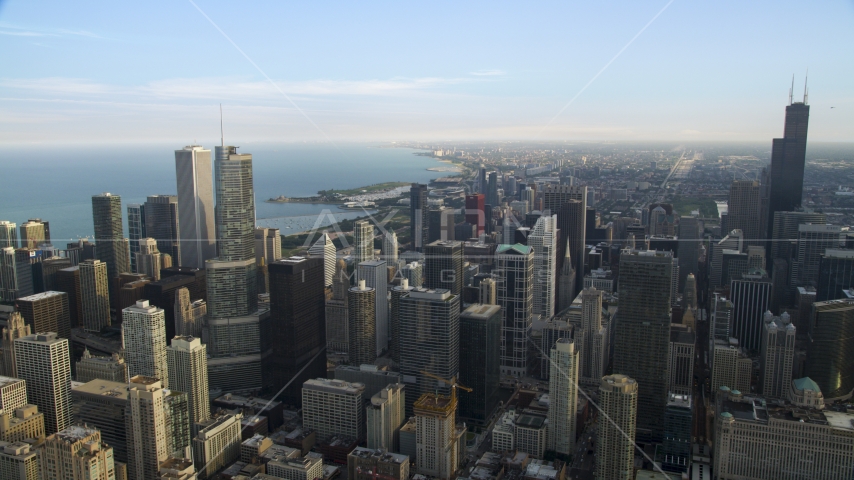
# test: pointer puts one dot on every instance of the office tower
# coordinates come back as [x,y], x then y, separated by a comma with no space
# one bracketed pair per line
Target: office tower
[8,234]
[678,424]
[94,295]
[163,293]
[136,230]
[778,439]
[788,156]
[543,240]
[488,291]
[390,247]
[689,295]
[195,206]
[188,372]
[13,394]
[492,190]
[836,273]
[109,235]
[15,328]
[22,423]
[44,273]
[364,464]
[68,281]
[592,339]
[689,246]
[786,230]
[217,444]
[384,416]
[778,353]
[566,284]
[751,297]
[46,312]
[731,367]
[441,224]
[148,259]
[563,396]
[373,377]
[481,180]
[480,349]
[680,362]
[394,318]
[144,341]
[570,205]
[235,347]
[437,453]
[720,320]
[418,216]
[475,212]
[231,281]
[268,245]
[642,332]
[830,356]
[162,224]
[414,272]
[331,407]
[297,326]
[615,438]
[76,453]
[733,241]
[362,324]
[189,315]
[19,461]
[146,432]
[813,241]
[743,209]
[375,275]
[91,367]
[514,265]
[32,234]
[443,266]
[429,341]
[43,362]
[325,249]
[337,318]
[9,282]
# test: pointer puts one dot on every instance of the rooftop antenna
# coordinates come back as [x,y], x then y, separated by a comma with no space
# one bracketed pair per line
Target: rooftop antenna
[806,93]
[791,89]
[222,137]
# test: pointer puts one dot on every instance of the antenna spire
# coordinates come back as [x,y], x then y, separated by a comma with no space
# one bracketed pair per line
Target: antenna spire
[222,137]
[791,89]
[806,92]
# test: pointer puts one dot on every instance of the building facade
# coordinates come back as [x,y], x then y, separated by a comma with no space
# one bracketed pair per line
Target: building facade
[144,341]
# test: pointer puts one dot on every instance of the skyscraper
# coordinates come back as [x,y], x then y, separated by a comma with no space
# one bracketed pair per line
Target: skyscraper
[394,318]
[786,231]
[231,280]
[94,295]
[475,213]
[46,312]
[480,349]
[337,318]
[680,364]
[543,239]
[8,234]
[678,423]
[161,223]
[441,223]
[778,354]
[689,247]
[443,266]
[362,324]
[429,341]
[32,234]
[570,204]
[642,332]
[15,328]
[136,230]
[148,259]
[563,396]
[189,314]
[147,433]
[325,249]
[813,241]
[788,156]
[514,266]
[268,245]
[77,452]
[390,248]
[618,398]
[743,210]
[375,275]
[830,353]
[187,361]
[384,416]
[68,281]
[144,341]
[43,362]
[109,233]
[195,206]
[363,237]
[492,190]
[297,326]
[751,298]
[836,273]
[418,213]
[592,338]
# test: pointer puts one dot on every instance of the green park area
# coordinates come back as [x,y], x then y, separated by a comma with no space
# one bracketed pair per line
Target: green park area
[685,205]
[379,187]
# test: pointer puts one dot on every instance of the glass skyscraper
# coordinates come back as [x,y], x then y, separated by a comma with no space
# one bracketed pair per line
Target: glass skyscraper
[788,156]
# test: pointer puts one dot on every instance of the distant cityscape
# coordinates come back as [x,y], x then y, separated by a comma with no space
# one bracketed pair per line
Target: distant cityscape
[538,311]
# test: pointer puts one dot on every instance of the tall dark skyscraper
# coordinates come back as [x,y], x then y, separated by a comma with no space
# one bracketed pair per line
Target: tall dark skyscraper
[443,266]
[830,353]
[418,216]
[642,333]
[788,156]
[109,233]
[492,189]
[161,224]
[475,213]
[297,326]
[743,209]
[570,204]
[480,348]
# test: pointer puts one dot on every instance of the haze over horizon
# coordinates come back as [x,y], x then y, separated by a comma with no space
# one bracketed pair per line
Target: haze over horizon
[663,71]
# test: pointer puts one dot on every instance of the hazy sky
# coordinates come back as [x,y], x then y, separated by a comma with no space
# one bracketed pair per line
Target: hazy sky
[114,71]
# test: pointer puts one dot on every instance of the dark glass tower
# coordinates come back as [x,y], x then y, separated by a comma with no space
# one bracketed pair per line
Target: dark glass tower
[297,326]
[570,204]
[788,156]
[109,233]
[492,189]
[480,340]
[418,216]
[642,334]
[830,353]
[161,223]
[443,266]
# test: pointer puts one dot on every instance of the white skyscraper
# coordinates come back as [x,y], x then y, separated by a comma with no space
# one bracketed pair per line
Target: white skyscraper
[144,341]
[543,239]
[188,372]
[195,205]
[148,259]
[375,275]
[615,439]
[514,267]
[563,396]
[436,452]
[333,407]
[147,433]
[268,244]
[325,249]
[8,234]
[363,238]
[384,417]
[43,362]
[390,248]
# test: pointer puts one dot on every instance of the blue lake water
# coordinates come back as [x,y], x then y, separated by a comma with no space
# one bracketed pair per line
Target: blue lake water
[57,183]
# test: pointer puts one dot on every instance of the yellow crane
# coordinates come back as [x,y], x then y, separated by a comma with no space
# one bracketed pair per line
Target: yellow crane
[452,382]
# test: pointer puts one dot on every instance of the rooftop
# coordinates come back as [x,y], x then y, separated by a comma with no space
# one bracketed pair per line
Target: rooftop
[75,433]
[334,386]
[42,296]
[530,421]
[384,456]
[4,381]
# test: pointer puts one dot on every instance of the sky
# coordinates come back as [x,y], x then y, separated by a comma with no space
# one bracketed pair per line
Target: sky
[680,70]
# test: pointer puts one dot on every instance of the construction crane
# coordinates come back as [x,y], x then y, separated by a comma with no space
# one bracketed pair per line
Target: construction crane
[452,382]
